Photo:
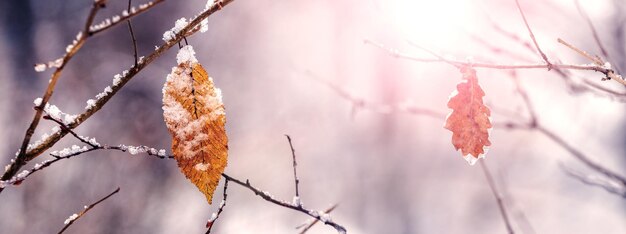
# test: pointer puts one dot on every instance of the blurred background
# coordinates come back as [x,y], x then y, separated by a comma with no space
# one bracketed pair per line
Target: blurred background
[274,60]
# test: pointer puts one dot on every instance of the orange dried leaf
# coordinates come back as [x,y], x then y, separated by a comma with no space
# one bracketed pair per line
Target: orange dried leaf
[469,120]
[194,114]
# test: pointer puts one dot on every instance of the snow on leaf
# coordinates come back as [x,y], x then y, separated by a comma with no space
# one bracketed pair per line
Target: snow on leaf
[470,118]
[194,114]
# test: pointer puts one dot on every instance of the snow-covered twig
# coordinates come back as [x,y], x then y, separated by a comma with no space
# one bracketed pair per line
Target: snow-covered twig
[306,226]
[268,197]
[126,15]
[70,220]
[216,215]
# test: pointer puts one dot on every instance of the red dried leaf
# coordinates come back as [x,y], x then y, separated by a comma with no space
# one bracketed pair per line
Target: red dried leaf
[469,120]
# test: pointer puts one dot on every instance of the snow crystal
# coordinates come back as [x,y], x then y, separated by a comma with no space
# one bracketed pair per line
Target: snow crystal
[40,67]
[41,164]
[472,160]
[91,141]
[74,149]
[70,219]
[296,201]
[204,25]
[133,150]
[117,79]
[325,217]
[162,153]
[202,166]
[209,4]
[116,18]
[69,48]
[90,104]
[55,113]
[186,55]
[178,26]
[607,65]
[56,63]
[213,217]
[23,174]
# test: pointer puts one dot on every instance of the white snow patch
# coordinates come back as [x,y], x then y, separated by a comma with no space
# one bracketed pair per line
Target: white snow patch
[202,166]
[70,219]
[178,26]
[186,55]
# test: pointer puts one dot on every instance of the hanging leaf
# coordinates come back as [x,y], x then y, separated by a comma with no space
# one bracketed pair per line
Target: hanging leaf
[194,114]
[469,121]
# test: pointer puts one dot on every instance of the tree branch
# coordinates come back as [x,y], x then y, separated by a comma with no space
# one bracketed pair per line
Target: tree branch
[532,36]
[497,196]
[69,221]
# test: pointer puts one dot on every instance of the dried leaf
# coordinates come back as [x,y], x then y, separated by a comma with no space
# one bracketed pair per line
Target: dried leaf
[194,114]
[469,121]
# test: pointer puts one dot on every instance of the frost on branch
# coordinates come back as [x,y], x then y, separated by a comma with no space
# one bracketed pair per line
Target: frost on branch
[178,26]
[194,114]
[470,119]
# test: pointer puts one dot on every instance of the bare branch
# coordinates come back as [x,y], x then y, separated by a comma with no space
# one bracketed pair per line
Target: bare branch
[69,221]
[532,36]
[497,66]
[380,108]
[607,185]
[295,176]
[128,14]
[580,156]
[497,196]
[593,29]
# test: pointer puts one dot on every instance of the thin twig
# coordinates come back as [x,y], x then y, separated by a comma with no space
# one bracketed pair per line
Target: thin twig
[596,38]
[215,216]
[132,35]
[75,217]
[607,185]
[266,196]
[497,196]
[314,221]
[295,176]
[532,36]
[380,108]
[583,53]
[104,25]
[580,156]
[529,105]
[441,58]
[496,66]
